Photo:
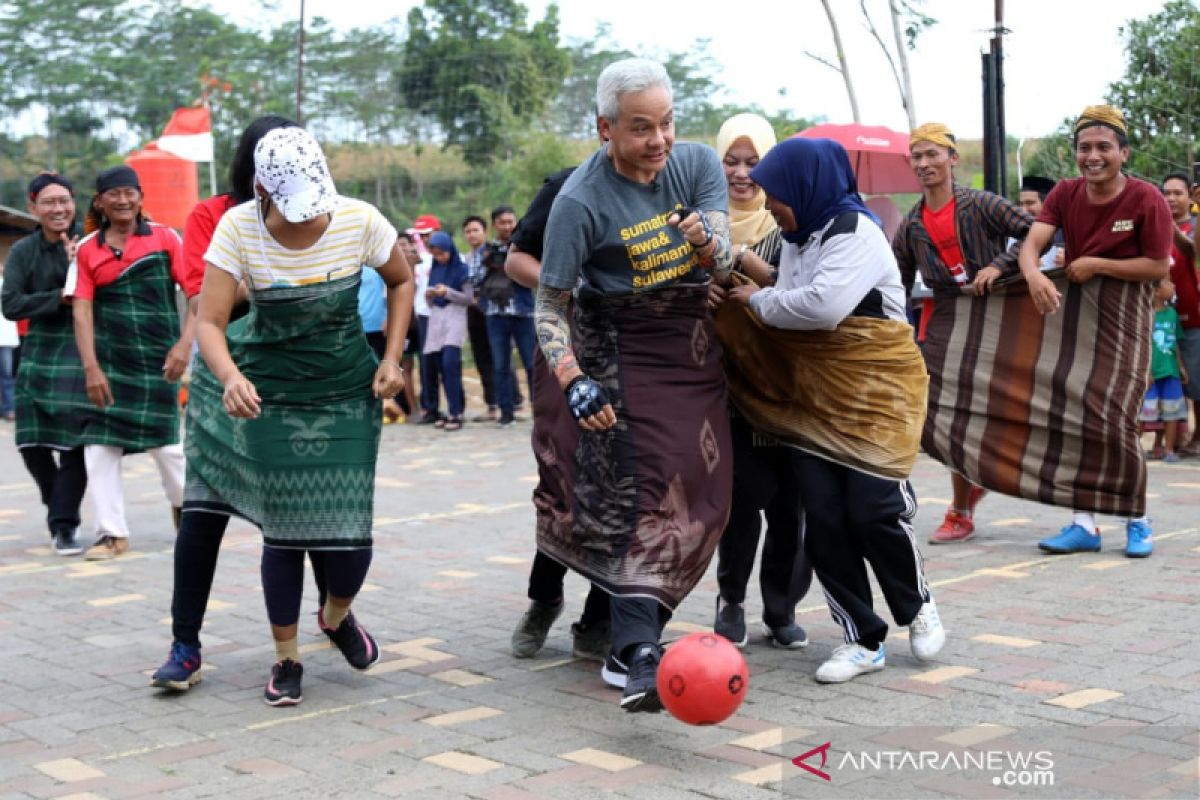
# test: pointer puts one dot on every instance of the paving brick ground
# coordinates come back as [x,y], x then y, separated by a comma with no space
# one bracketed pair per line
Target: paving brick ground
[1091,659]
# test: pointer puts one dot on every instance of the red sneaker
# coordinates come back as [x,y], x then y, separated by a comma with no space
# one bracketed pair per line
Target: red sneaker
[977,493]
[954,528]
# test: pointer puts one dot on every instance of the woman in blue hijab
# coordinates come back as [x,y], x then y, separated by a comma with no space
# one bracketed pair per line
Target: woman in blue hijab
[449,293]
[837,264]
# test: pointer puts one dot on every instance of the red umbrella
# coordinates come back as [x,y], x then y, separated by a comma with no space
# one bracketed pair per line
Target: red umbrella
[879,156]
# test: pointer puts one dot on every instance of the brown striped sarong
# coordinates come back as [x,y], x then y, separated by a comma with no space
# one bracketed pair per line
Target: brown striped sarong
[650,497]
[1043,408]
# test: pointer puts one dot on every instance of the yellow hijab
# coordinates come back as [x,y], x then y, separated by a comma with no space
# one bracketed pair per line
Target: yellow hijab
[749,221]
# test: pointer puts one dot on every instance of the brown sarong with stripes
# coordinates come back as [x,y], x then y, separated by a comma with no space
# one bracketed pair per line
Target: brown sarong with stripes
[649,497]
[1043,408]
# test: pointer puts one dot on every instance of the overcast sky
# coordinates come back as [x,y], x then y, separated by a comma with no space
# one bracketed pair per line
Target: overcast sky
[1061,54]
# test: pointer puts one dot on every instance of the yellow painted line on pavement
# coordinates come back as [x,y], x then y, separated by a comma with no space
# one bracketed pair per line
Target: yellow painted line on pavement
[1013,570]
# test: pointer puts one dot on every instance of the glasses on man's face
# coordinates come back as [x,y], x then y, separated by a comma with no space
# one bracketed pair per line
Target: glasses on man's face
[54,202]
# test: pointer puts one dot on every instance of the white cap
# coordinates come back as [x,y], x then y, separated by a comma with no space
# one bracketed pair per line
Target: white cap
[289,164]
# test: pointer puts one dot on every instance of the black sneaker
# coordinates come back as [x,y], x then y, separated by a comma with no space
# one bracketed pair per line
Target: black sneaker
[181,670]
[641,690]
[533,627]
[65,543]
[731,623]
[789,637]
[284,687]
[614,672]
[593,641]
[352,639]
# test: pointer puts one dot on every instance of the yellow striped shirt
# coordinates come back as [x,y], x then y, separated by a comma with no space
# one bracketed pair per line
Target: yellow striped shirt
[357,235]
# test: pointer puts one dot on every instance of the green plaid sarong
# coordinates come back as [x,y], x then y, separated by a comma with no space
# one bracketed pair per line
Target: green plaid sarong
[136,322]
[304,470]
[51,398]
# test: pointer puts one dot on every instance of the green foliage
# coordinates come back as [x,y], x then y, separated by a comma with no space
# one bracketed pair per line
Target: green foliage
[461,106]
[511,76]
[1160,90]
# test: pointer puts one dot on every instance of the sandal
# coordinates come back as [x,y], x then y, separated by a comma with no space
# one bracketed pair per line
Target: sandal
[441,423]
[452,425]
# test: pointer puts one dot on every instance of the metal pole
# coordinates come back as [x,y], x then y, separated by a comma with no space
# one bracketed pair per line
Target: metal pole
[1001,134]
[300,69]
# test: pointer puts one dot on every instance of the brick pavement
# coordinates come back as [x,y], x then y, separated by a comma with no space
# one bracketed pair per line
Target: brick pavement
[1091,657]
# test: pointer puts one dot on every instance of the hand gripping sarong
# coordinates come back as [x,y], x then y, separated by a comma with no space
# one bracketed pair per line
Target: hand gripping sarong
[136,323]
[1043,407]
[304,470]
[651,495]
[855,395]
[51,396]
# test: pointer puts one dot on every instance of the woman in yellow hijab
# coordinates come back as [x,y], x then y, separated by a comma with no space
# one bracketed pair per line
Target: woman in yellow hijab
[741,142]
[764,476]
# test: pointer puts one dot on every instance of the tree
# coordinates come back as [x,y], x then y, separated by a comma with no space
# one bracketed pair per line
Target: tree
[479,71]
[1160,90]
[841,67]
[908,21]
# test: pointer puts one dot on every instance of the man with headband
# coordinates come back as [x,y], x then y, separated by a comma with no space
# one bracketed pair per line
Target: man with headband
[50,392]
[1116,228]
[958,238]
[128,333]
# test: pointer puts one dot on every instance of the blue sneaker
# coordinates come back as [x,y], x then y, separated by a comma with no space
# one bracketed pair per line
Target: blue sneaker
[1072,539]
[181,670]
[1138,543]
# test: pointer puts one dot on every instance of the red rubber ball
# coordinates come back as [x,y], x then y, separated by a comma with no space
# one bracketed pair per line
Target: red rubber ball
[702,679]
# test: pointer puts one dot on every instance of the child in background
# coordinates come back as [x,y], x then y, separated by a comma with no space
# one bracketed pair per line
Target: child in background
[448,295]
[1164,401]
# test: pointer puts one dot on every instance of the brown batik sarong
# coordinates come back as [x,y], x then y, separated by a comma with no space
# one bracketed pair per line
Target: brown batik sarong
[650,497]
[855,395]
[1043,407]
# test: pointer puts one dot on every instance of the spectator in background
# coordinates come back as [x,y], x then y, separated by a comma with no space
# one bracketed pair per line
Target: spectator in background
[1030,198]
[412,340]
[127,331]
[1176,190]
[372,309]
[51,401]
[448,296]
[10,340]
[424,227]
[1164,402]
[474,230]
[509,309]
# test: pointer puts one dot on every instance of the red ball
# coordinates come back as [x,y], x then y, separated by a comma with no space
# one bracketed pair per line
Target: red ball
[702,679]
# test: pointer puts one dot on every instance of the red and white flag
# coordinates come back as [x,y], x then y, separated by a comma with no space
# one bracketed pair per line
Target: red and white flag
[189,134]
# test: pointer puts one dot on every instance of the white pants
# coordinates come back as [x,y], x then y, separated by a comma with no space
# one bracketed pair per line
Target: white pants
[108,493]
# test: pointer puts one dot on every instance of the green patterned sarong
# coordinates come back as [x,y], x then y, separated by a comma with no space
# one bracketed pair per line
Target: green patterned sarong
[304,470]
[51,396]
[136,322]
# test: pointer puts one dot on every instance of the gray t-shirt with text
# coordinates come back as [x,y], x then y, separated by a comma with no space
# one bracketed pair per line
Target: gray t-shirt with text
[613,231]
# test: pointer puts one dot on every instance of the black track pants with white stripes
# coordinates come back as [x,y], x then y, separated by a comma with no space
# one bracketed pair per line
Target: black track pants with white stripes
[854,519]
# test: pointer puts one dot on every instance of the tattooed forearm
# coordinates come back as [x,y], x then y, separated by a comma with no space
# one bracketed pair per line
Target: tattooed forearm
[552,318]
[720,256]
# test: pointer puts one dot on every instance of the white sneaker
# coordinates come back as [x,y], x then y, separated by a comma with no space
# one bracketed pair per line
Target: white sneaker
[925,633]
[850,661]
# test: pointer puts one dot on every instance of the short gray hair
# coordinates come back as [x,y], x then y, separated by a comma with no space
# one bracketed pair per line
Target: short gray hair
[628,76]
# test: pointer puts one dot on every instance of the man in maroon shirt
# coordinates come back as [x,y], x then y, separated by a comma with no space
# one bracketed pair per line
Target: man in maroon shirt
[1176,188]
[1114,226]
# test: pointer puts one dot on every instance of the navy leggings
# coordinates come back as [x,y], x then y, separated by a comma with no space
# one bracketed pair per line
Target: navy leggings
[343,572]
[197,546]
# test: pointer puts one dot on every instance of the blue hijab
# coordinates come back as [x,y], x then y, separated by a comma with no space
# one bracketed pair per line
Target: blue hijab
[453,273]
[813,176]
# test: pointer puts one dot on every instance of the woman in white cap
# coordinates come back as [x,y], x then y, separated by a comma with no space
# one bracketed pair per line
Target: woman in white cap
[284,414]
